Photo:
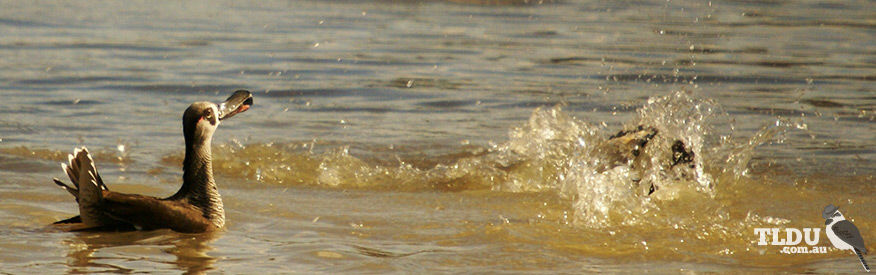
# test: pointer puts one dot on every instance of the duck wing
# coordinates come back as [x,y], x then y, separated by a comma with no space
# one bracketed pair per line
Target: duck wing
[149,213]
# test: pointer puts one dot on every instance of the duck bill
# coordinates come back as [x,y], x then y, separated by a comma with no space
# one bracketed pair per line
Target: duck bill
[237,103]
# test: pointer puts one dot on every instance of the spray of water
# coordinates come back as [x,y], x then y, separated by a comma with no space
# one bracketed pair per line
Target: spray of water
[607,181]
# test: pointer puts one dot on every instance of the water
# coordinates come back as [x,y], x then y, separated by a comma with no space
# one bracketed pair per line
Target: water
[404,136]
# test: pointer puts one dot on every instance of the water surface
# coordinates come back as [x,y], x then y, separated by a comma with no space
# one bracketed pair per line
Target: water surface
[433,136]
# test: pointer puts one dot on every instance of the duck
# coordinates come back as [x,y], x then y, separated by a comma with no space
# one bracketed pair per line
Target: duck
[197,206]
[627,146]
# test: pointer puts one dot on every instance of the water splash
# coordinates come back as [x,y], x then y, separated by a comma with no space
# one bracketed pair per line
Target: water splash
[738,155]
[606,181]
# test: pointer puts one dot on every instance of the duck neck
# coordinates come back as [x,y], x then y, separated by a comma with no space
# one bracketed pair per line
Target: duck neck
[199,188]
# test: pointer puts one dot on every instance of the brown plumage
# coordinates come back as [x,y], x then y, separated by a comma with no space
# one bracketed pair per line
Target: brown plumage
[196,207]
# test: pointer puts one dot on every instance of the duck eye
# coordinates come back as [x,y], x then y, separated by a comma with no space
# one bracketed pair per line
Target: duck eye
[209,115]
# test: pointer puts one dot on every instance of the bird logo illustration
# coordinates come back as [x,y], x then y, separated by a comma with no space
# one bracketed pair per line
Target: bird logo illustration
[843,234]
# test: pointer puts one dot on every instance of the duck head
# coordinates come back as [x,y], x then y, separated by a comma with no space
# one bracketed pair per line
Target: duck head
[201,119]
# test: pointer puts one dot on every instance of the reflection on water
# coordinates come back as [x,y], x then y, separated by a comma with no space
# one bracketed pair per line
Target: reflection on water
[92,252]
[446,136]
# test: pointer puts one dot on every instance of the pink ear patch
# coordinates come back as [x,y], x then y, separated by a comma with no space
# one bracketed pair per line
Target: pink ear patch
[243,108]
